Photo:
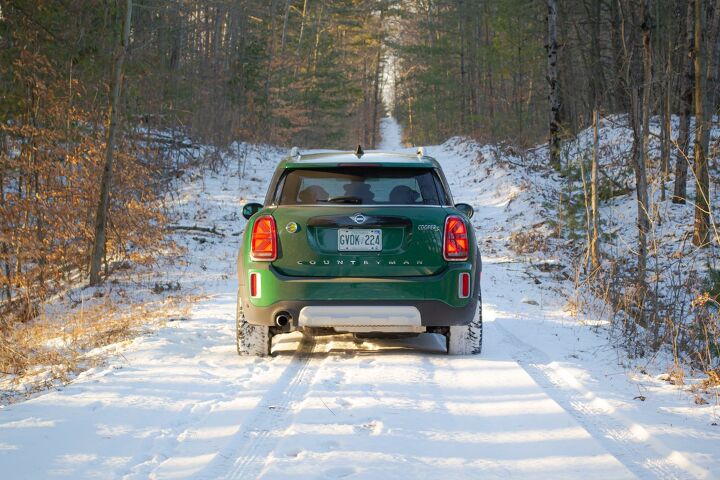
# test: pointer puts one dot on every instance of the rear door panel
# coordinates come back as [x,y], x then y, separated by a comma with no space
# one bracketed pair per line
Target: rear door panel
[411,241]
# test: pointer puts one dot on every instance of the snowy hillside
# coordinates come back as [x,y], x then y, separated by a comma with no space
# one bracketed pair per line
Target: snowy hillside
[548,398]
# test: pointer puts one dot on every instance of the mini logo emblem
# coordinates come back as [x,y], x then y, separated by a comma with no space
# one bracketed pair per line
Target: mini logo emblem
[358,218]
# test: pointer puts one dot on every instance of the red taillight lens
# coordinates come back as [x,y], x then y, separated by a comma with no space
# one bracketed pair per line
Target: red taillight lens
[464,285]
[456,239]
[254,284]
[263,243]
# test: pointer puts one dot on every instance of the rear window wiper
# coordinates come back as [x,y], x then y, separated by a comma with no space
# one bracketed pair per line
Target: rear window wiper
[345,199]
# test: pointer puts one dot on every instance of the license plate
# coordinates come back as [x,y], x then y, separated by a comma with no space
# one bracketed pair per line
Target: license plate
[359,240]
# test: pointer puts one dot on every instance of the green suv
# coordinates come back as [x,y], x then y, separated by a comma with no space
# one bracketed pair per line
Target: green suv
[366,243]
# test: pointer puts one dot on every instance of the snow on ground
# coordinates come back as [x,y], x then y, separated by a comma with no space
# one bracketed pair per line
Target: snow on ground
[671,224]
[546,399]
[391,134]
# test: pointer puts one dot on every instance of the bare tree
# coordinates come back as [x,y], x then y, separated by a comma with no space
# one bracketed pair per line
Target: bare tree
[377,79]
[641,159]
[639,106]
[666,122]
[98,251]
[594,237]
[552,78]
[686,83]
[702,204]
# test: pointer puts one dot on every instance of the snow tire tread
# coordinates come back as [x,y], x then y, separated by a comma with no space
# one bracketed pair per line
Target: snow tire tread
[252,340]
[466,339]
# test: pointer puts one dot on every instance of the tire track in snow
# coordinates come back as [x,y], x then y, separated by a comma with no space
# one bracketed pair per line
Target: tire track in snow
[254,442]
[629,442]
[153,453]
[445,366]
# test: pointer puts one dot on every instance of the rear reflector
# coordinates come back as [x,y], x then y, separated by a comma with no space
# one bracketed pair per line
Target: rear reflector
[254,284]
[456,239]
[263,243]
[464,285]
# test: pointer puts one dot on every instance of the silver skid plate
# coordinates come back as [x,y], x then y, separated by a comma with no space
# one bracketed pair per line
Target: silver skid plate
[362,318]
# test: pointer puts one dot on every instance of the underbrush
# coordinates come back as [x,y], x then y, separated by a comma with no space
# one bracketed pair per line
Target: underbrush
[46,337]
[674,312]
[50,336]
[680,320]
[529,241]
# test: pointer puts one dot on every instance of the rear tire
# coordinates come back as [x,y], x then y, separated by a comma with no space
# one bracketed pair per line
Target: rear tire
[466,339]
[252,340]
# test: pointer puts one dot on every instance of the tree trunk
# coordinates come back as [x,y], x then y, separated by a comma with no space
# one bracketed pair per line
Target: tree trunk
[666,119]
[4,250]
[594,244]
[597,82]
[702,205]
[365,133]
[376,86]
[376,97]
[641,191]
[711,76]
[98,251]
[285,25]
[639,111]
[646,91]
[489,76]
[619,100]
[643,159]
[554,98]
[302,24]
[461,28]
[686,84]
[270,63]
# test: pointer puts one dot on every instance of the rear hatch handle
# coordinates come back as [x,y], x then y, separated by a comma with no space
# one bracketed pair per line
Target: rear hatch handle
[371,221]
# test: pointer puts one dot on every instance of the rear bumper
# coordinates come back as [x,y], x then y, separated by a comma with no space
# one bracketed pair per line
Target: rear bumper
[432,313]
[435,297]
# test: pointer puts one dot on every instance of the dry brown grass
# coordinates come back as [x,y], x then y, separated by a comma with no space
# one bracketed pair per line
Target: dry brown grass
[529,241]
[712,380]
[48,352]
[674,376]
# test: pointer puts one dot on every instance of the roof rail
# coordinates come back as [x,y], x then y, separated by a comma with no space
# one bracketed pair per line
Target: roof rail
[295,153]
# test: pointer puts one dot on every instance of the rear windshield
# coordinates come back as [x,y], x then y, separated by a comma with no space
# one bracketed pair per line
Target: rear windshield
[367,186]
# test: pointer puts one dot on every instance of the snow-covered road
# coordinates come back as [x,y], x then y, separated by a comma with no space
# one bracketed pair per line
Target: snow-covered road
[546,399]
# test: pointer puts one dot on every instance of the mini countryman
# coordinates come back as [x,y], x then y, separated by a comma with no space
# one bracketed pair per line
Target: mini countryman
[363,243]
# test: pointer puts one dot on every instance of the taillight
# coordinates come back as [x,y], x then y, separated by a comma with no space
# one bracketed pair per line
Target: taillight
[263,243]
[464,285]
[455,239]
[254,284]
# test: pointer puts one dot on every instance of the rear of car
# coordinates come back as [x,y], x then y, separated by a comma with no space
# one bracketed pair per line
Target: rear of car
[366,244]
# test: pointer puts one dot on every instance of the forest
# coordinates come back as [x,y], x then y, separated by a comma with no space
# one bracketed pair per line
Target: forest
[102,103]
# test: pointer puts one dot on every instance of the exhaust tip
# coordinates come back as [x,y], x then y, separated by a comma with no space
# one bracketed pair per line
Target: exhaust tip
[282,319]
